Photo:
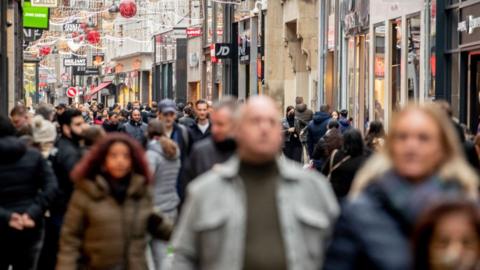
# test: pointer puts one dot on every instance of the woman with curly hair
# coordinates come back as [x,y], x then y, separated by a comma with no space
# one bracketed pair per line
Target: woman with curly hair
[111,210]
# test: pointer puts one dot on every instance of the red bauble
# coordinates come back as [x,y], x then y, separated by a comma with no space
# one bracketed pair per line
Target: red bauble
[128,8]
[44,51]
[93,37]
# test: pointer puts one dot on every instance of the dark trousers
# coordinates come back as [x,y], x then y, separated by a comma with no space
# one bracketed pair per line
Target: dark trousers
[293,151]
[21,249]
[48,257]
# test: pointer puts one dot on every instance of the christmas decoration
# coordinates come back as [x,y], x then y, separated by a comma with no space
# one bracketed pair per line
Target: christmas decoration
[93,37]
[44,51]
[128,8]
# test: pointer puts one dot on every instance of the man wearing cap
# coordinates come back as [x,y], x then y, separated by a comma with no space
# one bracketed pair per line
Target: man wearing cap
[167,114]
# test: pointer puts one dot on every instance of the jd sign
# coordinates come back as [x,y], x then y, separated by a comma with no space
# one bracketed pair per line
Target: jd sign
[223,50]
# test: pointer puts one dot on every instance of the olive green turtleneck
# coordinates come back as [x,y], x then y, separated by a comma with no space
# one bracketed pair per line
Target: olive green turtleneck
[264,247]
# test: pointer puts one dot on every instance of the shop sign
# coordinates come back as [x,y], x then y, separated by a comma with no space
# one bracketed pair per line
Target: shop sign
[223,50]
[30,35]
[35,17]
[75,62]
[72,27]
[194,32]
[86,71]
[44,3]
[469,25]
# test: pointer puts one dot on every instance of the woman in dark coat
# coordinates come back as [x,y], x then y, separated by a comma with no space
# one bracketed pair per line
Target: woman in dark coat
[111,209]
[342,165]
[422,164]
[291,128]
[27,188]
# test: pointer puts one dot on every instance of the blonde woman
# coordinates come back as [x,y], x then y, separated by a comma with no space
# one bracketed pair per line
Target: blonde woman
[421,164]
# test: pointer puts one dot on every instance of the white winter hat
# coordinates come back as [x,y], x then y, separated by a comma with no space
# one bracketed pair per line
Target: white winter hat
[43,130]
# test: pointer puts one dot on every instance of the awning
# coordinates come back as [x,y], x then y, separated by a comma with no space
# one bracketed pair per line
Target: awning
[98,88]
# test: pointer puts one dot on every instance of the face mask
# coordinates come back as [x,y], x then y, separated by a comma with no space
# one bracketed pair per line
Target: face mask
[227,145]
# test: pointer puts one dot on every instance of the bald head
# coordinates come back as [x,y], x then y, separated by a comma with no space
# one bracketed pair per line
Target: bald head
[258,131]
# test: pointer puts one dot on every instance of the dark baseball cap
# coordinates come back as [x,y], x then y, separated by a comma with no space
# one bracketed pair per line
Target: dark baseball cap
[167,106]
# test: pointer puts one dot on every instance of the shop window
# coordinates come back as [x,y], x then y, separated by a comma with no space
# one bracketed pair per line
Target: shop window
[413,60]
[379,74]
[396,68]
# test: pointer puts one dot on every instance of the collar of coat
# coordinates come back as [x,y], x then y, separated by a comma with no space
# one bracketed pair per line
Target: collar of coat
[99,189]
[230,169]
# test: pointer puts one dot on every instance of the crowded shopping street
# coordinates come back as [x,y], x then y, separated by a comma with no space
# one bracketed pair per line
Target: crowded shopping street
[239,134]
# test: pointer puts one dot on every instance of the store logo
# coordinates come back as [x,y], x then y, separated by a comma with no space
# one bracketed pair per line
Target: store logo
[469,25]
[44,3]
[75,62]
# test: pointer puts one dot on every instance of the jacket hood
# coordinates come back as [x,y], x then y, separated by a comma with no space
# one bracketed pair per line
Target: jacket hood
[455,171]
[12,149]
[320,117]
[301,108]
[157,148]
[99,188]
[344,122]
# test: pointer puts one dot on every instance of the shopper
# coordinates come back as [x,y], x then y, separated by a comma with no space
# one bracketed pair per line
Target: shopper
[447,236]
[344,121]
[213,150]
[317,128]
[202,127]
[422,163]
[375,138]
[255,211]
[111,210]
[167,115]
[136,128]
[292,148]
[164,159]
[342,165]
[27,188]
[68,153]
[44,135]
[333,140]
[112,124]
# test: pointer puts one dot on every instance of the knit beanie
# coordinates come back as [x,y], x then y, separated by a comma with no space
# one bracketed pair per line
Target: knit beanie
[43,130]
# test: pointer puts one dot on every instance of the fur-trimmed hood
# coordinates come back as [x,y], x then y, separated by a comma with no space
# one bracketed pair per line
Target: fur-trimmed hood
[454,170]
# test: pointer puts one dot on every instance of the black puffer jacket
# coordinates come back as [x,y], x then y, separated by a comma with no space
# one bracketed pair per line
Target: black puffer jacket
[63,160]
[27,183]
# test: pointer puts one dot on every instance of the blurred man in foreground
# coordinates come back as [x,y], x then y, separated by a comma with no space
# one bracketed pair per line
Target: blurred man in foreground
[215,149]
[244,214]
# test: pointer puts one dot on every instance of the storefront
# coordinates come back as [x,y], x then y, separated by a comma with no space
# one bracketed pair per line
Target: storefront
[170,65]
[132,77]
[459,59]
[400,55]
[355,62]
[194,69]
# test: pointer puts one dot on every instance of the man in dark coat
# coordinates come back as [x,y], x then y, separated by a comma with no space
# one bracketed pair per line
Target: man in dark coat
[112,124]
[344,121]
[202,127]
[63,160]
[304,116]
[215,149]
[136,127]
[317,128]
[27,188]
